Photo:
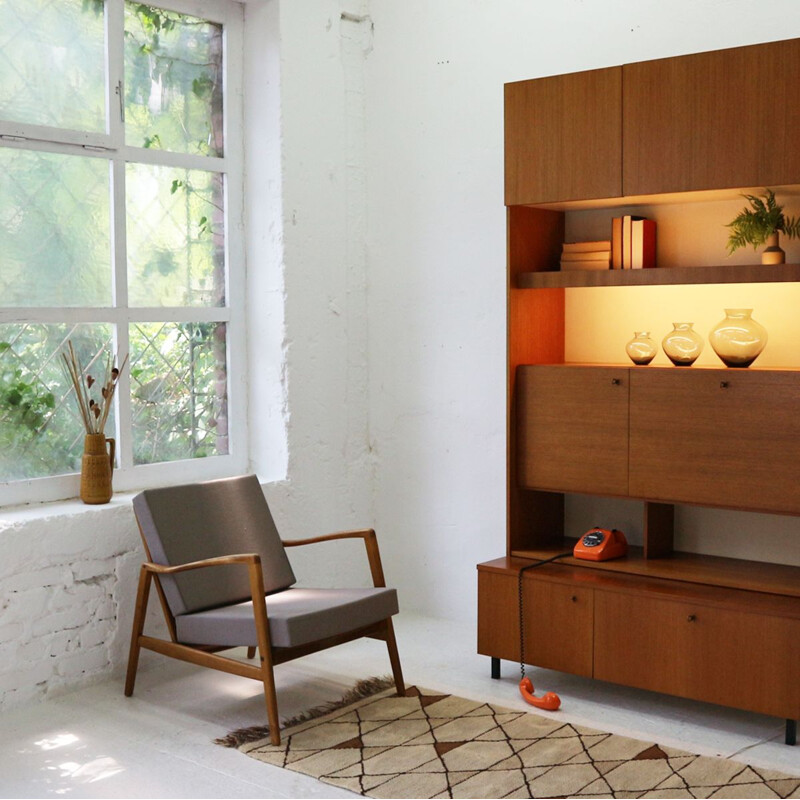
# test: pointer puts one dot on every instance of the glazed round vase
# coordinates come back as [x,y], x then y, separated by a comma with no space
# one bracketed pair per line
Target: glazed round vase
[738,339]
[683,344]
[641,349]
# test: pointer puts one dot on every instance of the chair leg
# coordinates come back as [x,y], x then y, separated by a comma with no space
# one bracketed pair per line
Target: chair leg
[272,701]
[394,658]
[251,652]
[142,596]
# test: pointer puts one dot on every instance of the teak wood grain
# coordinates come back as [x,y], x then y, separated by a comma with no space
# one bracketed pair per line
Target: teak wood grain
[732,658]
[563,137]
[727,118]
[573,428]
[707,437]
[558,621]
[666,585]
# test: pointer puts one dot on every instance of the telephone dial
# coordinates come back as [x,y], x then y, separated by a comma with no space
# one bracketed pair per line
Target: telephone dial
[601,544]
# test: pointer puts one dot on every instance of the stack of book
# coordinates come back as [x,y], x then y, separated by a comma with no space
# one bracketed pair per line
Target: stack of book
[586,255]
[633,242]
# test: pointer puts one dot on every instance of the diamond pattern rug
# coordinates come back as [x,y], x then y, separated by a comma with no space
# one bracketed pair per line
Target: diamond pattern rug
[430,744]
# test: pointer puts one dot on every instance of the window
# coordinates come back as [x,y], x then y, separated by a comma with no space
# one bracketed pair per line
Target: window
[120,221]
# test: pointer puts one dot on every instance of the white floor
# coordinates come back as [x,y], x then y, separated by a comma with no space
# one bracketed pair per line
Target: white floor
[97,743]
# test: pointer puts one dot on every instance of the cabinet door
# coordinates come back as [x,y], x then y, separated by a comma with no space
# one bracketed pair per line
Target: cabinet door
[563,137]
[729,118]
[572,428]
[716,655]
[558,622]
[559,625]
[716,437]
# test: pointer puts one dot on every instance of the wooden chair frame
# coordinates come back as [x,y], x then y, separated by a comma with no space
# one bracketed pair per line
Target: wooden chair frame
[205,656]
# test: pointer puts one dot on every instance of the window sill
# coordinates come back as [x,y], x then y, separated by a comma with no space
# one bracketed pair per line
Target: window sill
[20,514]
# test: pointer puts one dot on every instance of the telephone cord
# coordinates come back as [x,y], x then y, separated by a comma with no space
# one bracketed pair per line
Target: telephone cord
[521,614]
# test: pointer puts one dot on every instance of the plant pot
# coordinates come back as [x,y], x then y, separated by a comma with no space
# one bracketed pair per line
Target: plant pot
[738,340]
[773,253]
[97,468]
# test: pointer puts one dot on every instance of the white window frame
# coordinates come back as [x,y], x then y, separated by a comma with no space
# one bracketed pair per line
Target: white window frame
[111,147]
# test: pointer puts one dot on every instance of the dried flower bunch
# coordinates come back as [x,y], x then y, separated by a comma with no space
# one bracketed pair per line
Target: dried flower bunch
[94,414]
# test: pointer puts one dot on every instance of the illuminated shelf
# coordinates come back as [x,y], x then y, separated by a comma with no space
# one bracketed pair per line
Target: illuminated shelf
[662,276]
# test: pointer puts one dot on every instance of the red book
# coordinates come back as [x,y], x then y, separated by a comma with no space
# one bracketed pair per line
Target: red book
[643,244]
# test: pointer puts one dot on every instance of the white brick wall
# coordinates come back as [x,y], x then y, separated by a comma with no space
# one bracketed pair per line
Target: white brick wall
[67,587]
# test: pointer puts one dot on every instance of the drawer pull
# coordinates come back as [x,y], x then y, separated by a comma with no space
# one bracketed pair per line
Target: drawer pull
[691,618]
[574,599]
[724,384]
[615,381]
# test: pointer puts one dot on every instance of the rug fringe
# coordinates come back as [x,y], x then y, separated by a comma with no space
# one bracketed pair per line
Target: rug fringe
[364,688]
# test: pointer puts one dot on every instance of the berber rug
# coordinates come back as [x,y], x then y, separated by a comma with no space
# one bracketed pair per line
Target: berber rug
[431,744]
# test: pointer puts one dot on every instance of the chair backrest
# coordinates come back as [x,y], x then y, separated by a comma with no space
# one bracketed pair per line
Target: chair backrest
[204,520]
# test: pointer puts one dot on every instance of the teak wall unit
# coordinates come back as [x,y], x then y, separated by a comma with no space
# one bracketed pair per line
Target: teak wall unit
[659,619]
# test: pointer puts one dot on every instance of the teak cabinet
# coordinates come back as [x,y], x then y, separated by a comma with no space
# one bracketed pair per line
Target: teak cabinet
[721,630]
[662,433]
[723,119]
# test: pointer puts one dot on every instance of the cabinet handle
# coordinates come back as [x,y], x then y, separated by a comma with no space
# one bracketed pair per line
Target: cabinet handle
[574,599]
[615,381]
[691,618]
[723,384]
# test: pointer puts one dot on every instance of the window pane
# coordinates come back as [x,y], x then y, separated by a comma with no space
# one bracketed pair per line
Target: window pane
[176,251]
[55,245]
[173,81]
[52,63]
[179,391]
[41,432]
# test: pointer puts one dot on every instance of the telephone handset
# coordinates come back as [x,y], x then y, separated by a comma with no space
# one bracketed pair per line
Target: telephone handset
[549,701]
[601,544]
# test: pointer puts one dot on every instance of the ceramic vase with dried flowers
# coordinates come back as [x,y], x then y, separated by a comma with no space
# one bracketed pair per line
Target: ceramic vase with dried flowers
[97,465]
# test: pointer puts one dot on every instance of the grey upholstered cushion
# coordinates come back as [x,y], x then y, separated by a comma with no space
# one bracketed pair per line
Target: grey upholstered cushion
[296,616]
[204,520]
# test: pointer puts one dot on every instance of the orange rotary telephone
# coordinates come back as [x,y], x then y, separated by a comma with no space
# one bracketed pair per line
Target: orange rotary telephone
[601,544]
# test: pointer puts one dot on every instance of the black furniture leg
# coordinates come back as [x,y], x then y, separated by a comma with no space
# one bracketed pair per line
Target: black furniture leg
[496,675]
[791,732]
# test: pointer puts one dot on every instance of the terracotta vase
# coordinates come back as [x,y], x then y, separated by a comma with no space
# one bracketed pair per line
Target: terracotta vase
[97,467]
[773,253]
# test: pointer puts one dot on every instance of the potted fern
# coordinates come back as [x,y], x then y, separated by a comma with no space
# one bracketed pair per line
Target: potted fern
[760,225]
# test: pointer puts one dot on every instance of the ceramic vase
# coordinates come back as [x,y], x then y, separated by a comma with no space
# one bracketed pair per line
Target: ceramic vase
[773,253]
[738,339]
[683,344]
[641,349]
[97,467]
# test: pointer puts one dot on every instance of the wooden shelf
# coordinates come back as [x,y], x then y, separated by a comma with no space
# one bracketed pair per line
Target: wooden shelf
[662,276]
[733,573]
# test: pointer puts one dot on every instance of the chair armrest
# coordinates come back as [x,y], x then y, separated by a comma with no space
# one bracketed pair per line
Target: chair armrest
[241,558]
[370,542]
[330,537]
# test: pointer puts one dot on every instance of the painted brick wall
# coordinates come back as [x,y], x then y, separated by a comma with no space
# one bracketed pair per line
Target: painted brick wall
[67,582]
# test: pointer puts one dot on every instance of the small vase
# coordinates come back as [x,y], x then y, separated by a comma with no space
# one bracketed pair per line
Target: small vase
[641,349]
[97,467]
[773,253]
[738,340]
[683,344]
